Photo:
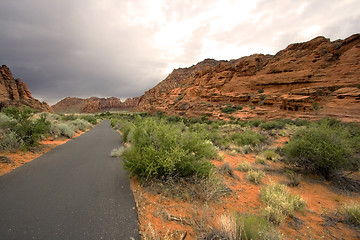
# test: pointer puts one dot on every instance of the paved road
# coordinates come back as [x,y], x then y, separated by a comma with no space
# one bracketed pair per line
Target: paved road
[76,191]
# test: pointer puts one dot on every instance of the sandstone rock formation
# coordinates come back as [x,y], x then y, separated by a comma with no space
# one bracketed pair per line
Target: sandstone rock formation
[309,80]
[93,104]
[14,92]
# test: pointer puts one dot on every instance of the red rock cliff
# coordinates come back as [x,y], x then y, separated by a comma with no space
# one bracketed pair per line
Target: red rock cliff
[14,92]
[93,104]
[310,80]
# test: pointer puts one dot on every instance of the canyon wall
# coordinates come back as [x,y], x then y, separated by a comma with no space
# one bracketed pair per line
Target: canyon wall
[312,79]
[14,92]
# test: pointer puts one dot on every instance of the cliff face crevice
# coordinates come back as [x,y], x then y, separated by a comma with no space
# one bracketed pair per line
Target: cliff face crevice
[14,92]
[312,79]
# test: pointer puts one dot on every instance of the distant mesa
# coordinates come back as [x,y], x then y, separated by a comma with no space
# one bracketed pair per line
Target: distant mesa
[93,104]
[313,79]
[14,92]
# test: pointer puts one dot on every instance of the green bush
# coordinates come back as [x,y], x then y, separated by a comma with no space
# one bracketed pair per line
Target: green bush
[80,124]
[69,117]
[247,138]
[276,124]
[323,148]
[28,130]
[256,122]
[91,119]
[228,110]
[159,149]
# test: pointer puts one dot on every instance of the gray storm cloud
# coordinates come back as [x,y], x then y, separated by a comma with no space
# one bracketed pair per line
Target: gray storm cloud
[122,48]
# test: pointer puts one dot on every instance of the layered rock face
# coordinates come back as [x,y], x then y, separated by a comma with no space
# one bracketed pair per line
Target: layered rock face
[93,104]
[14,92]
[308,80]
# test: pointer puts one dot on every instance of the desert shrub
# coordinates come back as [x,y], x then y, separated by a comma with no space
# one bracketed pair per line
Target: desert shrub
[300,122]
[117,152]
[226,169]
[159,150]
[260,159]
[244,167]
[255,176]
[173,118]
[238,107]
[28,130]
[245,227]
[270,154]
[294,178]
[228,109]
[80,124]
[247,138]
[261,91]
[124,126]
[279,202]
[6,121]
[352,212]
[276,124]
[256,122]
[89,118]
[322,149]
[69,117]
[64,129]
[10,140]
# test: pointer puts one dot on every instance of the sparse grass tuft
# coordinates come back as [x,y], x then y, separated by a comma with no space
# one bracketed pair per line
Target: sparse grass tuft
[261,160]
[245,227]
[226,169]
[255,176]
[279,202]
[244,167]
[352,212]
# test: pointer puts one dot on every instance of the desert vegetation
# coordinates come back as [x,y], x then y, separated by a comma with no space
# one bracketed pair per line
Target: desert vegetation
[197,161]
[24,128]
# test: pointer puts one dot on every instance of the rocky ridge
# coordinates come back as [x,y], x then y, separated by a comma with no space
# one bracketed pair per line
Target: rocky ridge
[93,104]
[14,92]
[312,79]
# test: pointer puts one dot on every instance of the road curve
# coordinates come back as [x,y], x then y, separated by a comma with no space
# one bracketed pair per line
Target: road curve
[75,191]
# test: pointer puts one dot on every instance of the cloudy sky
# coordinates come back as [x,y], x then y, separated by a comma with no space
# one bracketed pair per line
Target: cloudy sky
[122,48]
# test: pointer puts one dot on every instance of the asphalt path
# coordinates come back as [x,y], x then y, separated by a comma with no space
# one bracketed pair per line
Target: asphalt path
[75,191]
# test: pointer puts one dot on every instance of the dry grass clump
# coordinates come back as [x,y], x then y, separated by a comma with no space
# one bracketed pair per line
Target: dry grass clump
[352,212]
[255,176]
[279,202]
[226,169]
[245,227]
[244,167]
[190,188]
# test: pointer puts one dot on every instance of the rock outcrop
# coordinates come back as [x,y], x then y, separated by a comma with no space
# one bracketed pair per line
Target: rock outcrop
[308,80]
[93,104]
[14,92]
